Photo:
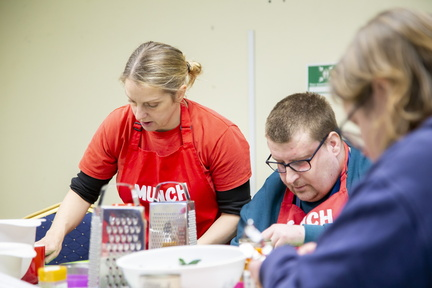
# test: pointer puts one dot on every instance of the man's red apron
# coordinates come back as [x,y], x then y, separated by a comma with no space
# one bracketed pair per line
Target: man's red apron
[324,213]
[145,169]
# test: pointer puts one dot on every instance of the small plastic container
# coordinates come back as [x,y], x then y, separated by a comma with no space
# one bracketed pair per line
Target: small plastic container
[77,274]
[53,276]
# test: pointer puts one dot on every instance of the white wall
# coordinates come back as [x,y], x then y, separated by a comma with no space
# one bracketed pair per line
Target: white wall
[60,61]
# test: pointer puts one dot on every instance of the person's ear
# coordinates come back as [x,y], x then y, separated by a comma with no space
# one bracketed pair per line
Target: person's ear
[181,92]
[334,142]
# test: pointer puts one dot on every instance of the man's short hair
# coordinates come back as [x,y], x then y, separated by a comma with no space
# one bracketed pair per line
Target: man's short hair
[301,112]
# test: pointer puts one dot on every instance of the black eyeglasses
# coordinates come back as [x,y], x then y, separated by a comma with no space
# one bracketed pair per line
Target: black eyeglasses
[298,165]
[350,131]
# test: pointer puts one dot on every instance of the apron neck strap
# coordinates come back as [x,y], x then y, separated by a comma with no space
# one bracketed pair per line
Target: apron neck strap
[185,127]
[185,123]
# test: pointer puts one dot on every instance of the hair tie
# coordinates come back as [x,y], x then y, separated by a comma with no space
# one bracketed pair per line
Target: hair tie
[188,66]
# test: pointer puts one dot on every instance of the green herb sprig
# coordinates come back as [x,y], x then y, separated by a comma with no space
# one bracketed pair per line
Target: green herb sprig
[183,262]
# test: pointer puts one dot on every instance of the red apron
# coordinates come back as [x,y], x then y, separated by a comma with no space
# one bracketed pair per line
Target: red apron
[145,169]
[324,213]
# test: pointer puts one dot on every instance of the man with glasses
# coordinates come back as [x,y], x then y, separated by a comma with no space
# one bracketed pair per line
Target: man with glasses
[314,170]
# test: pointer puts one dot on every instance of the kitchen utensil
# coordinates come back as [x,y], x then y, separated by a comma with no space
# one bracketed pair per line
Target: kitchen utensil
[218,266]
[172,218]
[17,237]
[15,258]
[115,231]
[19,230]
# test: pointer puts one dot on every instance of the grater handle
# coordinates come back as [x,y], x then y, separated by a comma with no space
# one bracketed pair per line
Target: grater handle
[131,187]
[183,184]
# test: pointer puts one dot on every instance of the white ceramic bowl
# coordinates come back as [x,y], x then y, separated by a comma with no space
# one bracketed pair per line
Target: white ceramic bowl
[15,258]
[220,266]
[19,230]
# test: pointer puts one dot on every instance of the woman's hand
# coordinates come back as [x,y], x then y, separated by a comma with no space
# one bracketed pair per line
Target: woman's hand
[53,246]
[283,234]
[68,216]
[307,248]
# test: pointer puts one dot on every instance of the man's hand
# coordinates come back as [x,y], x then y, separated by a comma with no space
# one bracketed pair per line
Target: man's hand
[255,265]
[283,234]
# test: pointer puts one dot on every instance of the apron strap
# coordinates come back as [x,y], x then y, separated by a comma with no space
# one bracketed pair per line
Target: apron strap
[287,202]
[185,128]
[186,125]
[136,133]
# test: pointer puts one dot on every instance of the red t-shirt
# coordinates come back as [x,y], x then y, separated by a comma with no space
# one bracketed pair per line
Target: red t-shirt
[220,145]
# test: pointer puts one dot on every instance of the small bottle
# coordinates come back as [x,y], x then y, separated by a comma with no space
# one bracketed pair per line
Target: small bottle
[53,276]
[254,247]
[249,243]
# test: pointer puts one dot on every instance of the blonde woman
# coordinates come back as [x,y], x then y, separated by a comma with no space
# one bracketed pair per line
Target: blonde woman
[162,136]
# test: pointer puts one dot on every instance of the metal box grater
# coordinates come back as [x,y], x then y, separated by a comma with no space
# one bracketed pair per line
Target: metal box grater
[172,223]
[115,232]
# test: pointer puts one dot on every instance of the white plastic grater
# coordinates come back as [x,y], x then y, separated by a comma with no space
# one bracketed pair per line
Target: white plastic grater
[115,232]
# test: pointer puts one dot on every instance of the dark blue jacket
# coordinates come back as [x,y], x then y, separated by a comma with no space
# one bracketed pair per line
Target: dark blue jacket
[265,205]
[382,238]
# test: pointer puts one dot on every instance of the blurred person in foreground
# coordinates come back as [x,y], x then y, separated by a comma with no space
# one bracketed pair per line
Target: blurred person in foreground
[162,136]
[314,172]
[383,236]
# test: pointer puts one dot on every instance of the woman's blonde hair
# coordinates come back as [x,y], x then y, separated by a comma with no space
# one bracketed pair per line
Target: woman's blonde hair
[396,46]
[162,66]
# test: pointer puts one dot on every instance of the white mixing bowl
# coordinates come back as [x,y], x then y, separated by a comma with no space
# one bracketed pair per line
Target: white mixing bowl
[220,266]
[15,258]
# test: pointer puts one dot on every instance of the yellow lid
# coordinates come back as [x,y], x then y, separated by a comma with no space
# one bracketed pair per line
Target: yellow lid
[52,273]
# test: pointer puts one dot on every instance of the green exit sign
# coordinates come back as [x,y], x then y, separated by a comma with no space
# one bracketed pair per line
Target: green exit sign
[318,76]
